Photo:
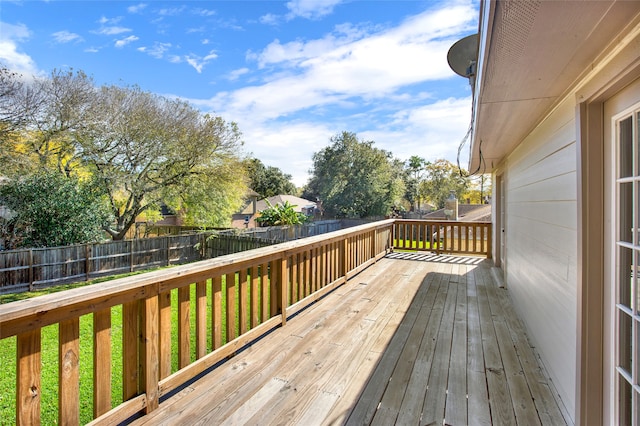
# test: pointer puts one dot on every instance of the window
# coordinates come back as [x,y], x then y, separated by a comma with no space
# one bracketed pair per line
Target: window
[627,268]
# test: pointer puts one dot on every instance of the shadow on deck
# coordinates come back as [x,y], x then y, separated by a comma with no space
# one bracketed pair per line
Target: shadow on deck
[413,339]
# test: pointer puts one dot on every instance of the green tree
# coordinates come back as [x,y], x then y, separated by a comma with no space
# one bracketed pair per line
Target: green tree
[142,149]
[280,214]
[268,181]
[414,176]
[145,149]
[354,179]
[443,177]
[50,209]
[479,189]
[52,109]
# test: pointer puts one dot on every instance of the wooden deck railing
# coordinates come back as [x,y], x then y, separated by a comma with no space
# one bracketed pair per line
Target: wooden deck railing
[444,236]
[179,322]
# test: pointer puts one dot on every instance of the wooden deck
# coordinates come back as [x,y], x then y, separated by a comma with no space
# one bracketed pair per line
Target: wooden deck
[414,339]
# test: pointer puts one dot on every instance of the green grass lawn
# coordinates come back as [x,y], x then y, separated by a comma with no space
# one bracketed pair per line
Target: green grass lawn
[49,399]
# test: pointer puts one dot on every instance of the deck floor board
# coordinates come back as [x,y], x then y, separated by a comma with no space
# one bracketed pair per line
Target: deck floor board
[410,340]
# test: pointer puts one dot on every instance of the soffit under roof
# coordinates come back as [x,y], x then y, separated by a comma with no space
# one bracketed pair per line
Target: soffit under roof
[534,52]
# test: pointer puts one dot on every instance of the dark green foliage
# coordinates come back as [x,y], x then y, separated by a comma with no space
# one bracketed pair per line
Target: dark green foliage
[50,209]
[354,179]
[268,181]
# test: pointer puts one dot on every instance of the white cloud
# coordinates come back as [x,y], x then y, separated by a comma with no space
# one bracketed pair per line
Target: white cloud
[123,42]
[431,131]
[269,19]
[137,8]
[112,30]
[311,9]
[171,11]
[66,37]
[198,62]
[288,146]
[204,12]
[337,68]
[236,74]
[10,55]
[370,74]
[157,50]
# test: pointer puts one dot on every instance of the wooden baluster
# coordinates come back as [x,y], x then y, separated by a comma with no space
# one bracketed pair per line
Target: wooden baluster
[130,348]
[69,372]
[293,279]
[274,284]
[307,272]
[28,389]
[242,303]
[101,362]
[255,289]
[184,326]
[231,306]
[216,312]
[264,292]
[201,319]
[284,274]
[164,304]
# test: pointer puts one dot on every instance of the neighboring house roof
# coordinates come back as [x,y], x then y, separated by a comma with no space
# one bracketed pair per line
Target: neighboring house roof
[298,202]
[466,212]
[530,54]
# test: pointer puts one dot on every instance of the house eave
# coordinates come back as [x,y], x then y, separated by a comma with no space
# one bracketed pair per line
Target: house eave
[531,55]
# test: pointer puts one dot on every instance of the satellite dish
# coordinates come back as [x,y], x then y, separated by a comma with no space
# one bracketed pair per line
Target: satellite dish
[462,56]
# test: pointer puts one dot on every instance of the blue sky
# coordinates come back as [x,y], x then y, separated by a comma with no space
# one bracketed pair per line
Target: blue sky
[290,73]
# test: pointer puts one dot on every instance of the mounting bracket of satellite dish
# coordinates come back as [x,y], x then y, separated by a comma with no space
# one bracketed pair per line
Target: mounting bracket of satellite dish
[462,56]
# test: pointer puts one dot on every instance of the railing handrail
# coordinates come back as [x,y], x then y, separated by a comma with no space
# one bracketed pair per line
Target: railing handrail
[49,307]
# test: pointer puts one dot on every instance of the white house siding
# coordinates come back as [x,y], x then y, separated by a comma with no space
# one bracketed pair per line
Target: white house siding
[541,234]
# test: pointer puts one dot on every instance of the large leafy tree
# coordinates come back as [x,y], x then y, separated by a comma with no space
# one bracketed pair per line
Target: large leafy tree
[268,181]
[142,149]
[49,209]
[442,178]
[146,149]
[352,178]
[46,114]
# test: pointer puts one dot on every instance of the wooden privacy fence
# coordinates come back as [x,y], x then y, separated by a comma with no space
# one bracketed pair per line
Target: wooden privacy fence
[29,269]
[219,306]
[444,236]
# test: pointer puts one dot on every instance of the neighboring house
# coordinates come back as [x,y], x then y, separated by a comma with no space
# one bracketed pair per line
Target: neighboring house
[246,218]
[556,122]
[169,217]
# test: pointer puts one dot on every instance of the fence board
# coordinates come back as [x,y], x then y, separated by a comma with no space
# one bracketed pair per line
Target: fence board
[30,269]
